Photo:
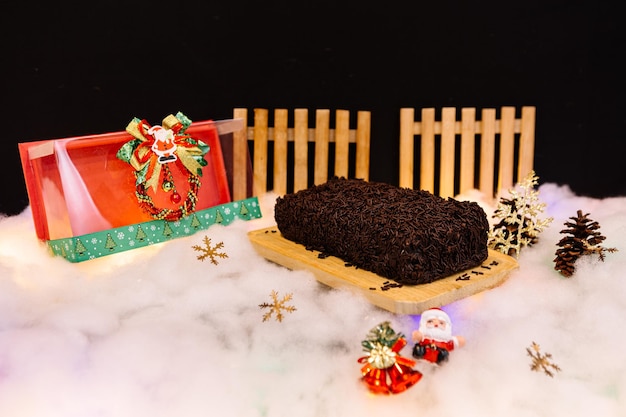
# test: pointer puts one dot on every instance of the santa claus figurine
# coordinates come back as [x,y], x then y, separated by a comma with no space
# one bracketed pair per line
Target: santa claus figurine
[434,339]
[164,145]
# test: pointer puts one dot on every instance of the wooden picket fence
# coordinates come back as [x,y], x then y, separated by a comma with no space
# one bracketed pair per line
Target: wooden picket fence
[454,155]
[284,167]
[505,149]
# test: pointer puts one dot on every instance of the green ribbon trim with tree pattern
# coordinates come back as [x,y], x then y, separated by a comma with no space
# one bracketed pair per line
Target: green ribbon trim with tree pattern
[120,239]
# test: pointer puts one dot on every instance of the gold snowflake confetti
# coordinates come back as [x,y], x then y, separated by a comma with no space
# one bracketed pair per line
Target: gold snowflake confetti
[541,362]
[210,252]
[277,306]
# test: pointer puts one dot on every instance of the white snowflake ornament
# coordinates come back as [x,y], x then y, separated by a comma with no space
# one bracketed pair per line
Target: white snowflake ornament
[519,223]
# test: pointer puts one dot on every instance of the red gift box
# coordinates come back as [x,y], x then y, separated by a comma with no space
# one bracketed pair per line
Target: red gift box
[79,187]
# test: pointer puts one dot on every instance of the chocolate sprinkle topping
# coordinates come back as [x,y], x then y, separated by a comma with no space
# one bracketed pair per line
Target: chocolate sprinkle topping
[409,236]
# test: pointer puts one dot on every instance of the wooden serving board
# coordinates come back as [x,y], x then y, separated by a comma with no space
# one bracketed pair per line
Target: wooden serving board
[405,299]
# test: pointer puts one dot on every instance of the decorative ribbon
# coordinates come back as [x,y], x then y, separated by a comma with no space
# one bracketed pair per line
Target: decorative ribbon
[152,151]
[141,155]
[107,242]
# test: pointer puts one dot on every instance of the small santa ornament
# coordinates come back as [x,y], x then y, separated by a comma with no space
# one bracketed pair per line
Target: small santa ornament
[164,145]
[434,339]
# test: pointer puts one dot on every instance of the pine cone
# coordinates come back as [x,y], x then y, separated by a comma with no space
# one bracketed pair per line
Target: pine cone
[582,239]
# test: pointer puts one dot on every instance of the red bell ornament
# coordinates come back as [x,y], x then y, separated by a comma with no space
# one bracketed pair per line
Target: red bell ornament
[376,380]
[385,371]
[402,377]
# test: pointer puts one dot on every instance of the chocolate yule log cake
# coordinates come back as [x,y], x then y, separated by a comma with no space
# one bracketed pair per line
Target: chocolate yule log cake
[409,236]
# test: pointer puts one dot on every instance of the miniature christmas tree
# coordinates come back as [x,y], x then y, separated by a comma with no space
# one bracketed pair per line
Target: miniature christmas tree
[519,224]
[141,235]
[195,223]
[582,238]
[167,230]
[80,248]
[110,243]
[244,210]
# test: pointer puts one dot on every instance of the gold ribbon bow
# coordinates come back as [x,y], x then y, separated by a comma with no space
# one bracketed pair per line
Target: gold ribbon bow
[139,154]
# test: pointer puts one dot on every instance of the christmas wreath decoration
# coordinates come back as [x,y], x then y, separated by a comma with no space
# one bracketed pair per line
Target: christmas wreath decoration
[154,152]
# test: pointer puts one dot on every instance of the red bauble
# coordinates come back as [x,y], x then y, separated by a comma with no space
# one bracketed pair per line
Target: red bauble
[175,198]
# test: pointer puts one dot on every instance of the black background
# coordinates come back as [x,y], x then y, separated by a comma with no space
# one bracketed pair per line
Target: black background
[87,68]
